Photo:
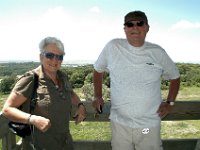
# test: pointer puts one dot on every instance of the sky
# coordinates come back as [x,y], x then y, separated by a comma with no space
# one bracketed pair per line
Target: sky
[85,26]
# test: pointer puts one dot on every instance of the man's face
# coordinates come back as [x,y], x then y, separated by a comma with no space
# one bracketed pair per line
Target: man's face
[136,32]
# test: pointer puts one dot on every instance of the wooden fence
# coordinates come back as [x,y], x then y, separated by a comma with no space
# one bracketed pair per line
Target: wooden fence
[183,110]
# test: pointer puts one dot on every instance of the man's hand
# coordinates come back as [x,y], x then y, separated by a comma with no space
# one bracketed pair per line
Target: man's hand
[98,104]
[164,109]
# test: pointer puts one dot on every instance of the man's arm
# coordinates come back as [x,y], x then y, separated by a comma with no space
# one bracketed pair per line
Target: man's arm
[165,108]
[97,81]
[173,89]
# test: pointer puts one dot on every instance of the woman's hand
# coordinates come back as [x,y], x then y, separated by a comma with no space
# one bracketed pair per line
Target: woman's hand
[80,114]
[43,124]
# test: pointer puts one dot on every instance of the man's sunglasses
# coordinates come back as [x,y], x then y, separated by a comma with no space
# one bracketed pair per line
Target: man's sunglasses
[133,24]
[50,55]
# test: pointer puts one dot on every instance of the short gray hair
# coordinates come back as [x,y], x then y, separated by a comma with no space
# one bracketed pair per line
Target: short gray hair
[51,40]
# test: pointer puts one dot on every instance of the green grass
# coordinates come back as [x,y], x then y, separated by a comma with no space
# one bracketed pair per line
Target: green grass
[2,99]
[91,131]
[186,93]
[180,129]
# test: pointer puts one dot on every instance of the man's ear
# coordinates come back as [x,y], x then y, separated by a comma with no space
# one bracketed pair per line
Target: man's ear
[148,28]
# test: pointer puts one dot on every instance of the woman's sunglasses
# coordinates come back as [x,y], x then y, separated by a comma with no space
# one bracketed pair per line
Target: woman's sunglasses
[50,55]
[133,24]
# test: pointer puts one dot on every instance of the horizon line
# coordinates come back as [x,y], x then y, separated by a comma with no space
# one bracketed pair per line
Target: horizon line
[78,61]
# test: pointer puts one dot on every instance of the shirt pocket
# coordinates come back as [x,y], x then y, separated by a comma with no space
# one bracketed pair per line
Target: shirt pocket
[43,101]
[149,73]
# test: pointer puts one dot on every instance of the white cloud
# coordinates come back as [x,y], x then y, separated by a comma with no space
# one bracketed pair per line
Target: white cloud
[83,36]
[94,9]
[185,24]
[181,45]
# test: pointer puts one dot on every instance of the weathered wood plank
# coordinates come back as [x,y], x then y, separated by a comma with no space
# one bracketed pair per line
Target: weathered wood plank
[9,142]
[183,110]
[92,145]
[179,144]
[3,126]
[172,144]
[198,145]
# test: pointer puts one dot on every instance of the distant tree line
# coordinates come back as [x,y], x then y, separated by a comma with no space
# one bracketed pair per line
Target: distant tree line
[14,69]
[81,76]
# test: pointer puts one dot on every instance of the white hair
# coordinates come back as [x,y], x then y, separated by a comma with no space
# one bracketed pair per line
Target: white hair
[51,40]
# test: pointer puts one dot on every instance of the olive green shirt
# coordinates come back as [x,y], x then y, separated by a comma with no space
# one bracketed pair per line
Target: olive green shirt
[53,103]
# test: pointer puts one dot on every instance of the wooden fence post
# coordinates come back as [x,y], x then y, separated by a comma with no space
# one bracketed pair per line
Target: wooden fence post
[198,145]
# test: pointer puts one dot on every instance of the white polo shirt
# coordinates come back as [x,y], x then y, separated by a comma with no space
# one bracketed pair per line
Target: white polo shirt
[135,75]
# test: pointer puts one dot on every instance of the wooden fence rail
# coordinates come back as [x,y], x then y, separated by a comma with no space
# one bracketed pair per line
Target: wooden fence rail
[183,110]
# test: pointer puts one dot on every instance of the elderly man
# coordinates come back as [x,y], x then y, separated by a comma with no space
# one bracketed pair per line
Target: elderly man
[135,67]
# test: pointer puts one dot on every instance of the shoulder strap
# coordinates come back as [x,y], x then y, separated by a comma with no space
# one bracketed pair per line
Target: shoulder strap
[34,94]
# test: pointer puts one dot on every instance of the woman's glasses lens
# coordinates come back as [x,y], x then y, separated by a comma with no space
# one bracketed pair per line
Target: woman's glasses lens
[49,55]
[52,55]
[131,24]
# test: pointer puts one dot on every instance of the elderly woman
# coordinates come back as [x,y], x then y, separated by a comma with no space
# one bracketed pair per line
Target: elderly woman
[55,97]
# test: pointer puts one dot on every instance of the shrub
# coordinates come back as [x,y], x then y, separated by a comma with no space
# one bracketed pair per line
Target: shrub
[88,91]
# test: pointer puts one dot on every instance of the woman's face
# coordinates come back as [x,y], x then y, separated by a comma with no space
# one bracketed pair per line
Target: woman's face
[52,58]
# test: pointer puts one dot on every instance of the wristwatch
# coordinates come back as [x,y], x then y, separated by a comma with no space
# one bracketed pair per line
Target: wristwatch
[171,103]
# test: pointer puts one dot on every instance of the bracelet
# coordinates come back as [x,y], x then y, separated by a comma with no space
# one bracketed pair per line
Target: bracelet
[79,104]
[29,117]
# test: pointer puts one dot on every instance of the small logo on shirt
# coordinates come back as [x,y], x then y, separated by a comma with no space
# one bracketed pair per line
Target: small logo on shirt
[145,131]
[149,63]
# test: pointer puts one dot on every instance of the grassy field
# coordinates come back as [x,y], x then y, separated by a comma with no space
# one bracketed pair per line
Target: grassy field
[186,93]
[170,129]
